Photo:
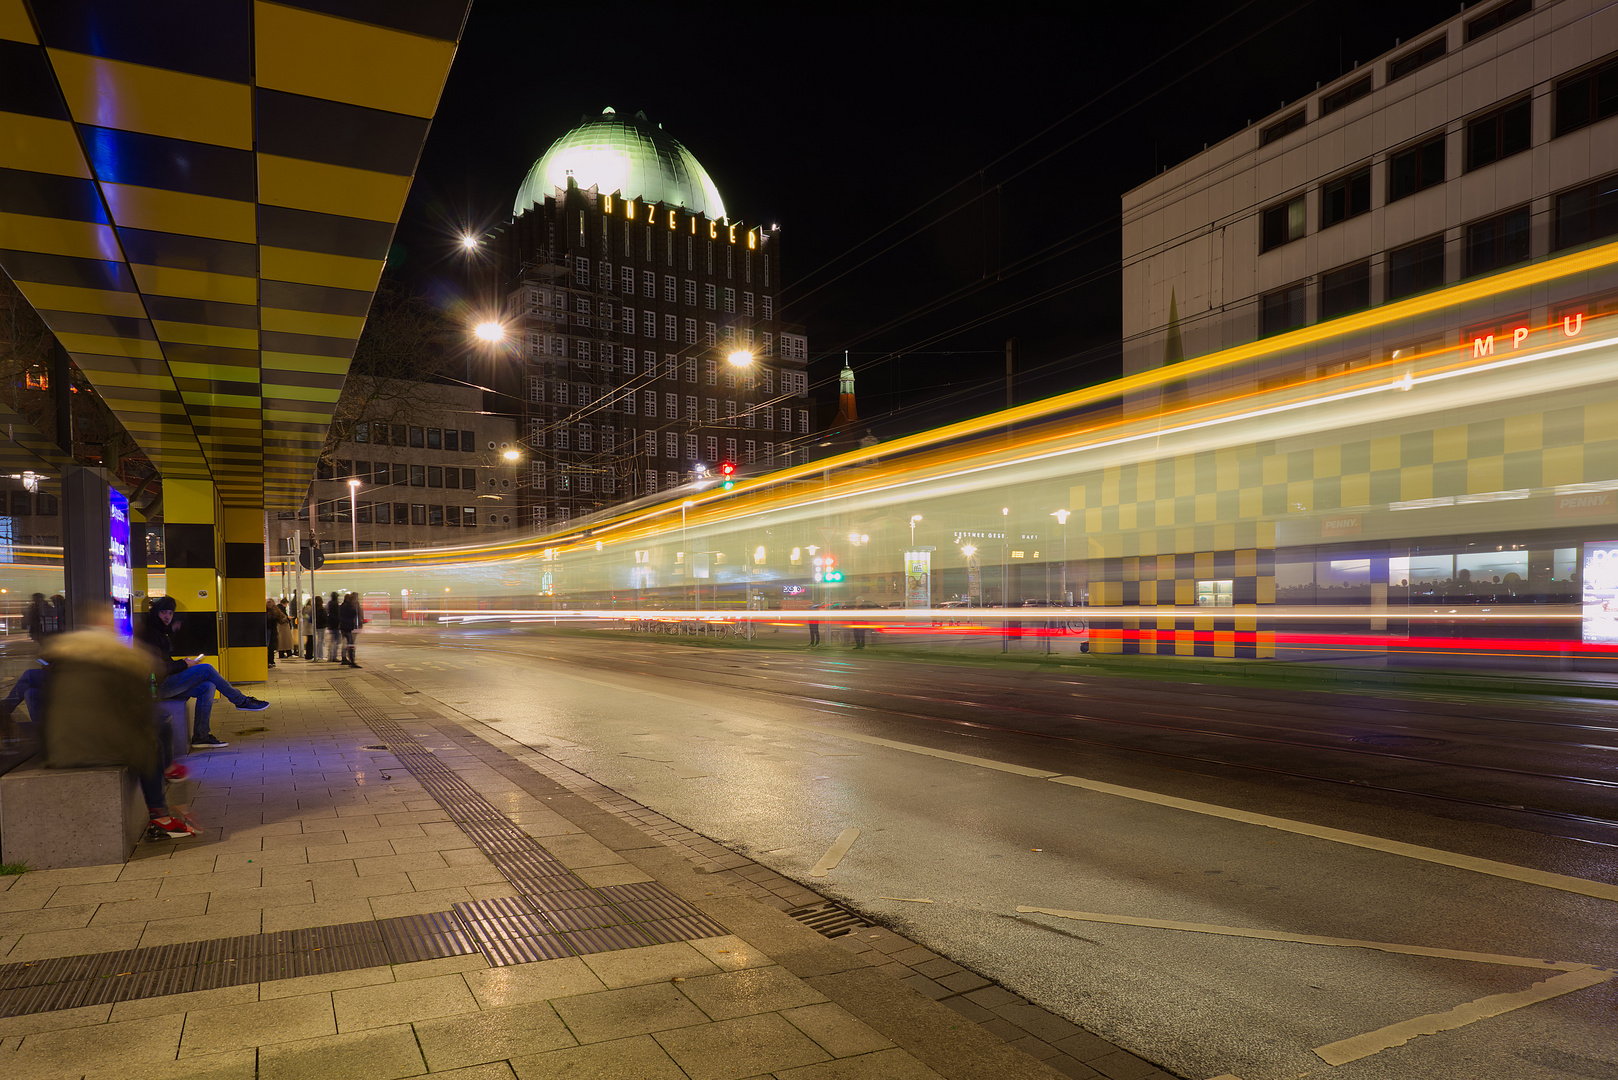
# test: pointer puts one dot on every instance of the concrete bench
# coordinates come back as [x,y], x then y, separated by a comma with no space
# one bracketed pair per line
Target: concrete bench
[54,818]
[179,715]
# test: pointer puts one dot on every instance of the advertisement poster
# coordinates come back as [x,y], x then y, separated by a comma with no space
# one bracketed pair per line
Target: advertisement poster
[919,578]
[118,556]
[1600,578]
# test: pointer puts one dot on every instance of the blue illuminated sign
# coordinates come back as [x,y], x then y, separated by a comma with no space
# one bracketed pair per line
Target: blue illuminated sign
[118,556]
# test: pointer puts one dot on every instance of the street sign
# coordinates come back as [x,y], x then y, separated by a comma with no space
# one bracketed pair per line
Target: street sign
[312,558]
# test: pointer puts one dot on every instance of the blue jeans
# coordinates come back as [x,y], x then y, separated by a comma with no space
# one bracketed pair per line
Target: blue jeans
[199,681]
[27,689]
[151,786]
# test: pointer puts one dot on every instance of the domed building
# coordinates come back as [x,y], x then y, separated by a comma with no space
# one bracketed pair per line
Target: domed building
[630,290]
[631,157]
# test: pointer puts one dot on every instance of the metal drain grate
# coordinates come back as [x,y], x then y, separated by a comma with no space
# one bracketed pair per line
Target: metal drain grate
[375,746]
[830,919]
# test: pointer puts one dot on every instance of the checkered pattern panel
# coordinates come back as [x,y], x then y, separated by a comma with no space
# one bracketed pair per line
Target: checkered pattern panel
[1203,501]
[198,195]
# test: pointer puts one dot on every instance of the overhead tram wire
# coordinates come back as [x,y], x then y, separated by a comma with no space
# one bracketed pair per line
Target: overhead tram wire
[1161,89]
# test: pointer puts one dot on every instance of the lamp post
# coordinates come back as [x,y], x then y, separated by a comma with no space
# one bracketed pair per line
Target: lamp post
[354,514]
[913,519]
[686,555]
[1061,517]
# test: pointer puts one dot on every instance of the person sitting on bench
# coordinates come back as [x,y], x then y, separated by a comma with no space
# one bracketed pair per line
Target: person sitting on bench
[183,678]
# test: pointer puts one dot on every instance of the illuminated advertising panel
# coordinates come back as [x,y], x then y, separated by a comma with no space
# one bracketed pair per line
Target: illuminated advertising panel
[118,556]
[919,578]
[1600,579]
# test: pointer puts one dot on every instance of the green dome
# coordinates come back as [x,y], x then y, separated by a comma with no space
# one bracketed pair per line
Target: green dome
[628,156]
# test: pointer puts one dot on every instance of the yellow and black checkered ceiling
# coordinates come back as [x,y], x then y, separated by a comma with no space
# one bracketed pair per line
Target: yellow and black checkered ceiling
[198,196]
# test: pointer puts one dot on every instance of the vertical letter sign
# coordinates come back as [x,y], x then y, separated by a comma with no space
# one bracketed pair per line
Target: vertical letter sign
[118,556]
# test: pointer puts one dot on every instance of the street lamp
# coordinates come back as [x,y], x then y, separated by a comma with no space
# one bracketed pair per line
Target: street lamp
[512,455]
[913,519]
[740,358]
[489,332]
[469,242]
[686,555]
[354,513]
[1061,517]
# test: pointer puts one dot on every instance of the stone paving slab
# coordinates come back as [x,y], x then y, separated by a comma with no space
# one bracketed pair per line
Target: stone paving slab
[304,828]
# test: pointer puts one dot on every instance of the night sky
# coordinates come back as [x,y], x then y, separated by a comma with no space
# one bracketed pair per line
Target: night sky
[942,182]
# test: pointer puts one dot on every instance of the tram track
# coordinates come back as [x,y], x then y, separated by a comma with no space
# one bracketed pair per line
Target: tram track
[937,718]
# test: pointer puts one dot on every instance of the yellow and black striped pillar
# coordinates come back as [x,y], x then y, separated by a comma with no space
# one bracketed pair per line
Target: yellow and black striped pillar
[191,542]
[246,659]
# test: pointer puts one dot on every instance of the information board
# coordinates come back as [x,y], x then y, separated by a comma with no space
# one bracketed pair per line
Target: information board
[118,557]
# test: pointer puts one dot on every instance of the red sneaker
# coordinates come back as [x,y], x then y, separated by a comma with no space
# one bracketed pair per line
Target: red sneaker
[173,827]
[176,772]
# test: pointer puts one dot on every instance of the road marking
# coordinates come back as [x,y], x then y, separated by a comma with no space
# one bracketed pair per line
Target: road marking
[834,855]
[1545,879]
[1308,939]
[1384,1038]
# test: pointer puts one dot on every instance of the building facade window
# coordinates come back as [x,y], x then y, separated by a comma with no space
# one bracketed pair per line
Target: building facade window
[1495,19]
[671,328]
[1283,127]
[670,289]
[690,331]
[713,447]
[1583,99]
[747,304]
[626,281]
[671,445]
[1588,212]
[1416,267]
[730,301]
[769,305]
[1499,134]
[1345,289]
[1497,242]
[1283,310]
[1345,197]
[690,293]
[803,421]
[710,334]
[648,279]
[1417,58]
[691,407]
[1416,167]
[1283,223]
[691,448]
[1338,99]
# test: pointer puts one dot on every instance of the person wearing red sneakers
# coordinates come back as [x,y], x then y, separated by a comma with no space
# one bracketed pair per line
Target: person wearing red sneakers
[97,709]
[188,678]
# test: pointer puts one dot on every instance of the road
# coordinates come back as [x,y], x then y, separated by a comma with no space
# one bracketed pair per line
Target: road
[1034,808]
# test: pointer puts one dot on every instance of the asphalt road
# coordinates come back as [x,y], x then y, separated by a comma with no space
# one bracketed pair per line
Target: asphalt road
[1479,827]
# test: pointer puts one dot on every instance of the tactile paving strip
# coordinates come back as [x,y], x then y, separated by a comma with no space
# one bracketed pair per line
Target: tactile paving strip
[560,914]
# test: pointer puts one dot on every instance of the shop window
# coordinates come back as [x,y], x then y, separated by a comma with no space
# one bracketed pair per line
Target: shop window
[1216,593]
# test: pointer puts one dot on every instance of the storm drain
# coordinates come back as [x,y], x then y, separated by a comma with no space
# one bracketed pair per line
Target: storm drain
[830,919]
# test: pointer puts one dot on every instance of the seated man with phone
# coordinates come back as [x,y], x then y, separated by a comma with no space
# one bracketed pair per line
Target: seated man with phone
[186,678]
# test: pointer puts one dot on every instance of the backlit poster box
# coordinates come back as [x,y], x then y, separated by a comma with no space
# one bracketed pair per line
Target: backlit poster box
[1600,580]
[118,556]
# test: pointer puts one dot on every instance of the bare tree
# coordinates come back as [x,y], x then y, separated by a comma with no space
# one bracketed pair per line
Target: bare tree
[406,342]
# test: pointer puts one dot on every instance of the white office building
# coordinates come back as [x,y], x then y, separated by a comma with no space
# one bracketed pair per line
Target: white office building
[1487,142]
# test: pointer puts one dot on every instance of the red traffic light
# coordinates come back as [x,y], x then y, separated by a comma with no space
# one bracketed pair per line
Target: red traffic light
[727,469]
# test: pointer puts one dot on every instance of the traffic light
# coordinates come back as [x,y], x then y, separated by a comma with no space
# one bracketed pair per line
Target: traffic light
[826,572]
[727,475]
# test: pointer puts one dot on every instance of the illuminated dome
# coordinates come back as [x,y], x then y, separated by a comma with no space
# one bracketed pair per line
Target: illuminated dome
[628,155]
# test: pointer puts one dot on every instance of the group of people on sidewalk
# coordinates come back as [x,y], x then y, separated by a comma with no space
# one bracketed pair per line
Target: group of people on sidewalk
[93,700]
[329,626]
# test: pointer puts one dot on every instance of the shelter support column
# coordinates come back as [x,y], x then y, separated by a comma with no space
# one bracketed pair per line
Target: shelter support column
[245,657]
[193,547]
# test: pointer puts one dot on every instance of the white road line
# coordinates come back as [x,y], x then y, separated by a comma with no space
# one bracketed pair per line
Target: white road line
[1309,939]
[828,862]
[1545,879]
[1371,1042]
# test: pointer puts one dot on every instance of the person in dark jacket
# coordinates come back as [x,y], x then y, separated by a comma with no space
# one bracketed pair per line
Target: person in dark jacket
[187,678]
[318,643]
[349,621]
[97,710]
[272,622]
[334,651]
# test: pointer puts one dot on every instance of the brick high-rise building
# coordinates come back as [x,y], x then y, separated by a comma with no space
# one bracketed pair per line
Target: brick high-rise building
[630,290]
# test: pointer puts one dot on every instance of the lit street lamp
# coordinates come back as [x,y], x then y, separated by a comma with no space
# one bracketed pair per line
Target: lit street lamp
[1061,517]
[740,358]
[489,332]
[354,513]
[469,242]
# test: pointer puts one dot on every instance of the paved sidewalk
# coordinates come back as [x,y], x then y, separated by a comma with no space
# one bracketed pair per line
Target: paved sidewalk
[384,890]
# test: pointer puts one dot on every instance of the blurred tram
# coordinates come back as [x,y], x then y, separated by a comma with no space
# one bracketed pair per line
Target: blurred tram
[1432,479]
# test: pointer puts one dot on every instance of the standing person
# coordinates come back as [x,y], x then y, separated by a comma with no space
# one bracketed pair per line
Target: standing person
[187,678]
[272,620]
[306,620]
[285,640]
[814,632]
[34,620]
[349,622]
[334,649]
[319,625]
[56,614]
